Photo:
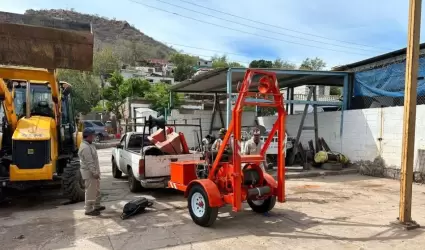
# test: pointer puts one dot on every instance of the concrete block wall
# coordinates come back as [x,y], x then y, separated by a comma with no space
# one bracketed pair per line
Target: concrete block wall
[367,133]
[248,119]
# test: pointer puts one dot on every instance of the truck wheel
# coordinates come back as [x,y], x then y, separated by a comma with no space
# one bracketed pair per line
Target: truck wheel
[262,206]
[116,173]
[133,183]
[72,182]
[199,207]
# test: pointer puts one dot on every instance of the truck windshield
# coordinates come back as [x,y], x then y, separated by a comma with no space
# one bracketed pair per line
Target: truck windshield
[41,100]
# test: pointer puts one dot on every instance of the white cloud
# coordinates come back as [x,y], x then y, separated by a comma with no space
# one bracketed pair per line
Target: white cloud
[377,23]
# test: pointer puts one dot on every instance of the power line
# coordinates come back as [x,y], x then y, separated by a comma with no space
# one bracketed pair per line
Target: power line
[283,28]
[270,31]
[217,51]
[241,31]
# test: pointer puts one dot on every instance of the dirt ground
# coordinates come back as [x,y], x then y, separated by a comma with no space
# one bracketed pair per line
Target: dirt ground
[335,212]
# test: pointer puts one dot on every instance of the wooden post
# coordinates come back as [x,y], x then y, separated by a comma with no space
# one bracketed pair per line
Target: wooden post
[409,119]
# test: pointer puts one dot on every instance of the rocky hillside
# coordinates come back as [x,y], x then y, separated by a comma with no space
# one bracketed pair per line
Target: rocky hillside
[118,34]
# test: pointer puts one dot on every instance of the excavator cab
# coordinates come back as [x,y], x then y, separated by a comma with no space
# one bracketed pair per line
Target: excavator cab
[41,99]
[40,140]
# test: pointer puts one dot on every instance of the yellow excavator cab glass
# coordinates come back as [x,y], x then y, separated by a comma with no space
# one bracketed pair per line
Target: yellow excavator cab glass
[40,100]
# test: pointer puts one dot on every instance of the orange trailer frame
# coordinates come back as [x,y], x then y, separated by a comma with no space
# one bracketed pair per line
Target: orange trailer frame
[224,184]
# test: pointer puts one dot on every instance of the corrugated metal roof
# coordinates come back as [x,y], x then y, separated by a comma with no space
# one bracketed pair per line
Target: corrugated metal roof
[374,59]
[215,81]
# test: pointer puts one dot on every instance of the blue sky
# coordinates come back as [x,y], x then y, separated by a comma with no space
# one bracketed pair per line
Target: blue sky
[291,30]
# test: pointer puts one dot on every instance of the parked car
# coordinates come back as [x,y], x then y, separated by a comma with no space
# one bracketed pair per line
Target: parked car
[99,127]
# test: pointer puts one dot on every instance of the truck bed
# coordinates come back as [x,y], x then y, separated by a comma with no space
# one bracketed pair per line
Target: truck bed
[159,166]
[148,166]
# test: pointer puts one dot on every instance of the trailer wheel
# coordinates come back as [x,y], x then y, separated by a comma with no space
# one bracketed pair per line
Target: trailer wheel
[116,173]
[262,206]
[133,183]
[199,207]
[72,182]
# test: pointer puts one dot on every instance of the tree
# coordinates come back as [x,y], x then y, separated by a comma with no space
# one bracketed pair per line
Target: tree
[112,96]
[235,65]
[263,111]
[130,52]
[318,64]
[335,90]
[159,95]
[281,64]
[134,87]
[313,64]
[222,62]
[105,61]
[119,90]
[85,89]
[185,66]
[261,64]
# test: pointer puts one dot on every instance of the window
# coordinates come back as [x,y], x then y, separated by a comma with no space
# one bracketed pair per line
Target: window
[150,80]
[166,81]
[65,110]
[136,141]
[88,125]
[122,142]
[150,70]
[40,102]
[100,124]
[321,90]
[206,63]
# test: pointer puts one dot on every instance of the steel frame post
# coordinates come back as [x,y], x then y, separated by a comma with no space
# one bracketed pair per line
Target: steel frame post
[229,97]
[345,101]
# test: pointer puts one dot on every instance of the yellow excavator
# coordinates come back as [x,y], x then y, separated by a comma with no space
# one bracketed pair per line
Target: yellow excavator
[40,140]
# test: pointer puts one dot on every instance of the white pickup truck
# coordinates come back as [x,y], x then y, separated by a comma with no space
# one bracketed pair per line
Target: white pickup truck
[144,164]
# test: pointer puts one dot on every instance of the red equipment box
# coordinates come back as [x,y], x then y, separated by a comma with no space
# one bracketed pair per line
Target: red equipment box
[183,172]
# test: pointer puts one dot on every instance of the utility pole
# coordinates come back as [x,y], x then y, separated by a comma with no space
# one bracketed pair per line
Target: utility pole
[409,118]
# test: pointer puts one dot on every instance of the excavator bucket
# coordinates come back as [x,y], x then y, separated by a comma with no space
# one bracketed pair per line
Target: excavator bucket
[28,40]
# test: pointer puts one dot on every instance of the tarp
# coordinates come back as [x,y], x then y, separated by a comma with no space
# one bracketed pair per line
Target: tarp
[386,81]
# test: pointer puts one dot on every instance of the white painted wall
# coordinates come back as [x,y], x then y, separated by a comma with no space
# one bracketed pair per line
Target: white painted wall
[361,130]
[248,119]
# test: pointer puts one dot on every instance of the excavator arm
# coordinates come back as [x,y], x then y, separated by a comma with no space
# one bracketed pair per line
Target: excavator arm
[8,105]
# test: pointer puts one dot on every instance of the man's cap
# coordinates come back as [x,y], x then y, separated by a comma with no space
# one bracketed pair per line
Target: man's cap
[88,132]
[222,131]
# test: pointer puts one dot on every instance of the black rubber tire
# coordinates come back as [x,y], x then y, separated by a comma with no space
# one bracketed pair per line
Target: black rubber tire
[134,185]
[116,173]
[267,205]
[210,214]
[72,182]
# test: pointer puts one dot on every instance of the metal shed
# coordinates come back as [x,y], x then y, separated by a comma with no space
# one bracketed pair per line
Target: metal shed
[225,81]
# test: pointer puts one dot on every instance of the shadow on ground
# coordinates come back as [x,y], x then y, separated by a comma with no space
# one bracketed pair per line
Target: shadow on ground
[37,220]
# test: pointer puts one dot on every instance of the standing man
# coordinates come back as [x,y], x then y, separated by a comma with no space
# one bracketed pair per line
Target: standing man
[216,145]
[253,147]
[90,172]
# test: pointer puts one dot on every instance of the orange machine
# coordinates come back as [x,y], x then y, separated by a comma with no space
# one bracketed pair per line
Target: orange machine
[226,176]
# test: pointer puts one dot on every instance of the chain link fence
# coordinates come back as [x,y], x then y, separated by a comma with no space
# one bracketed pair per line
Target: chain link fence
[384,86]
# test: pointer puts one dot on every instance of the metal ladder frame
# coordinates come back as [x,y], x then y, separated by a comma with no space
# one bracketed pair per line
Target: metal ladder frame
[311,93]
